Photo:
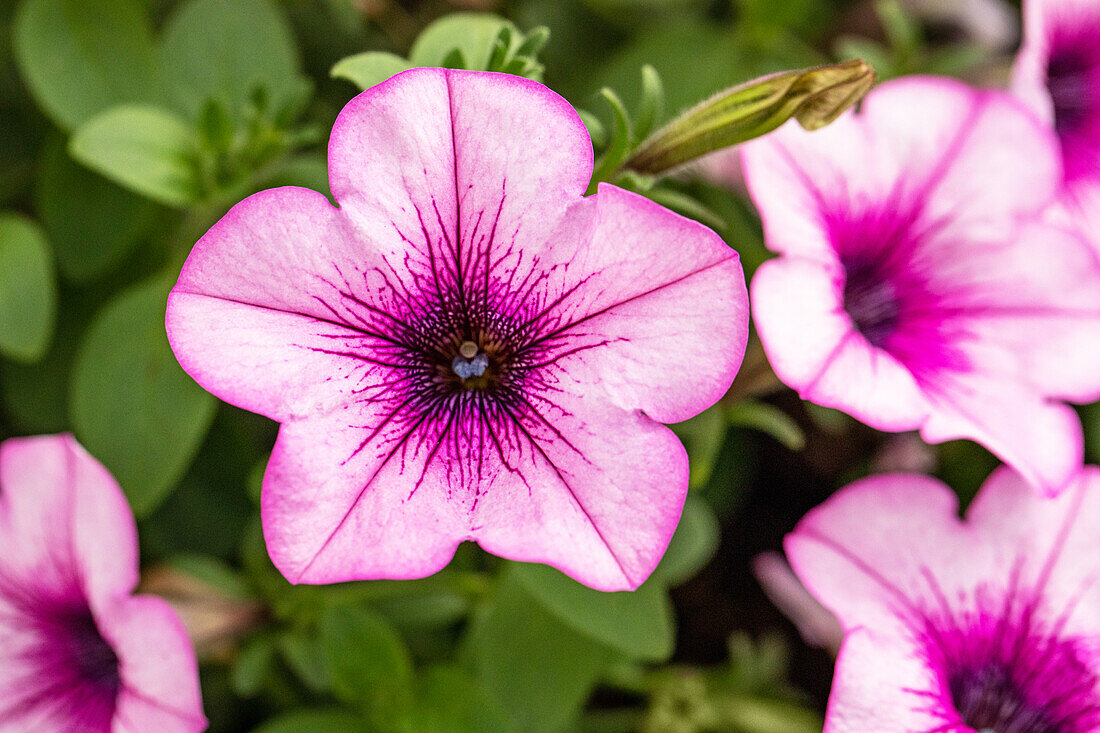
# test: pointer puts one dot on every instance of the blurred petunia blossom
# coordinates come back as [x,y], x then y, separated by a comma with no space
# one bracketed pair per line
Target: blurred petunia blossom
[466,348]
[983,624]
[918,286]
[1057,73]
[78,652]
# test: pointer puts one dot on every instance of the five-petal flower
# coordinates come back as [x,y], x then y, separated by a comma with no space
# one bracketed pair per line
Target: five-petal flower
[77,651]
[953,626]
[918,287]
[467,348]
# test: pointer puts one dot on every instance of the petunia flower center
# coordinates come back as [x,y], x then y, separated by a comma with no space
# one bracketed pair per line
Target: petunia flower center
[989,701]
[1071,83]
[1010,670]
[477,363]
[871,301]
[72,668]
[470,361]
[92,657]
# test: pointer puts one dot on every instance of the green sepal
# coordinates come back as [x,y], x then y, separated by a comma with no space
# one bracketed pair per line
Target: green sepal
[815,97]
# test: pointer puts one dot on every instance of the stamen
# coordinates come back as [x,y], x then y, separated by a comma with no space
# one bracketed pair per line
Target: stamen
[466,368]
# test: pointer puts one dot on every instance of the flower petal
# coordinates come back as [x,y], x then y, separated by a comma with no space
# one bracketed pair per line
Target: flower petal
[590,488]
[653,307]
[855,552]
[1039,438]
[882,685]
[1019,329]
[981,148]
[65,519]
[1057,536]
[262,305]
[361,501]
[1044,22]
[70,540]
[972,158]
[1057,74]
[160,679]
[516,152]
[813,346]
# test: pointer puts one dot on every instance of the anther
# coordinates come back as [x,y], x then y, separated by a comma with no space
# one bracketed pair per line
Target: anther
[470,368]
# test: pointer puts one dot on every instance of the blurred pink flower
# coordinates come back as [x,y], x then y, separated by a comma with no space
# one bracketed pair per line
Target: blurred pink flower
[985,624]
[917,288]
[1058,74]
[77,651]
[465,349]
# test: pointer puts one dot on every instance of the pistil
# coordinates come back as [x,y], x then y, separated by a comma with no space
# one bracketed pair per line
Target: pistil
[470,362]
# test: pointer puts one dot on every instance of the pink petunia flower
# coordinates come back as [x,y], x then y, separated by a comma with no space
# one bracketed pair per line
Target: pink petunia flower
[465,349]
[991,623]
[77,651]
[916,287]
[1057,73]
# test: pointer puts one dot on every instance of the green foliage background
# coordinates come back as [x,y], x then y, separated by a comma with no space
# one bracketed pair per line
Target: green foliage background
[127,127]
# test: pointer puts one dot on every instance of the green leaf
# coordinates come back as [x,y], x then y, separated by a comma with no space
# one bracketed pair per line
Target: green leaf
[653,102]
[28,291]
[636,623]
[449,699]
[902,30]
[300,647]
[596,129]
[761,715]
[35,395]
[538,668]
[253,665]
[366,662]
[702,436]
[131,404]
[621,139]
[686,204]
[876,55]
[146,149]
[214,126]
[767,419]
[306,170]
[498,56]
[829,419]
[329,720]
[212,572]
[454,60]
[693,545]
[367,69]
[226,50]
[416,612]
[956,59]
[79,59]
[472,34]
[92,223]
[534,42]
